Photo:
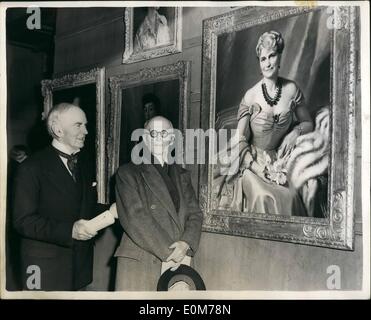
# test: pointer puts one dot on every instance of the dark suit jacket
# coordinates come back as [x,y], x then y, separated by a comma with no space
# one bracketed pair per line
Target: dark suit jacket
[47,202]
[150,221]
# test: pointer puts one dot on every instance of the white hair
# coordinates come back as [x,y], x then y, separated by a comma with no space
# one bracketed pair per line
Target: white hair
[54,114]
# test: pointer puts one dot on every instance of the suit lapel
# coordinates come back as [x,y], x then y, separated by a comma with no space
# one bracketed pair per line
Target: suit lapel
[158,187]
[59,174]
[84,191]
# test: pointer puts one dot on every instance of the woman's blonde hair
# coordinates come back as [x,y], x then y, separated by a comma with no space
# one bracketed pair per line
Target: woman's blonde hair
[270,40]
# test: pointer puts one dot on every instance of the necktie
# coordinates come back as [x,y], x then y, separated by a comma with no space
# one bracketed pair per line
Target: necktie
[71,162]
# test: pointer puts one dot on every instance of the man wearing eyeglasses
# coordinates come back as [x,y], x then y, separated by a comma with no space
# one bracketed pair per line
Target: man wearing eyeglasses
[158,210]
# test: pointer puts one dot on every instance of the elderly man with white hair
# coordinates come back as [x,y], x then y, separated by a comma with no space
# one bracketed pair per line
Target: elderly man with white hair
[54,197]
[158,211]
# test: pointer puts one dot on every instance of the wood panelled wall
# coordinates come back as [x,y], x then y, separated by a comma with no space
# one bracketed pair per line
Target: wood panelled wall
[87,38]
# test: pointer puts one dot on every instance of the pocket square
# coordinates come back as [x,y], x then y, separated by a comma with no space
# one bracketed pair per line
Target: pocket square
[94,184]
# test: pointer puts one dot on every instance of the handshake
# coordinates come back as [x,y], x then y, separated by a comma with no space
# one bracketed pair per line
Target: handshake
[87,229]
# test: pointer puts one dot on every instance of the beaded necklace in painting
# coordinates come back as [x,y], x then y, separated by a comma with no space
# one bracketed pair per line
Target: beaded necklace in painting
[272,101]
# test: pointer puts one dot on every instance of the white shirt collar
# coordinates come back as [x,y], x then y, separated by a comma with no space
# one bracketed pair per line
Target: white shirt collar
[161,160]
[164,158]
[62,147]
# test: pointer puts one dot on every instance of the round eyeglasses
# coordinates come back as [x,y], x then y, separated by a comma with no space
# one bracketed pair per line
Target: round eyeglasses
[162,134]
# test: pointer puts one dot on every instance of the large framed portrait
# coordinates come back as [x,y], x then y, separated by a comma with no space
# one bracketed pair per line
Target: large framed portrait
[85,89]
[152,32]
[280,162]
[137,97]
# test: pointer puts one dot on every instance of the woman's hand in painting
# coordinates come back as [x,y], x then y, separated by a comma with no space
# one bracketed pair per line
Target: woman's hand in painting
[288,144]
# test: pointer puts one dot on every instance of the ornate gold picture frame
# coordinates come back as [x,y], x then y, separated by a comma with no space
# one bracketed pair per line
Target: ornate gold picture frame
[220,37]
[147,38]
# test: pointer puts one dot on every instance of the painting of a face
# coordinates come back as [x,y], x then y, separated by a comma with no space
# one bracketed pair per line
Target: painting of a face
[269,62]
[149,111]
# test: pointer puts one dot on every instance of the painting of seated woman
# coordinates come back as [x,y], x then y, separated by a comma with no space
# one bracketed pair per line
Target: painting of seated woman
[281,150]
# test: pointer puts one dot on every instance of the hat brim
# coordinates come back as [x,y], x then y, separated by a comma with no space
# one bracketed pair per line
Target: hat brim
[182,273]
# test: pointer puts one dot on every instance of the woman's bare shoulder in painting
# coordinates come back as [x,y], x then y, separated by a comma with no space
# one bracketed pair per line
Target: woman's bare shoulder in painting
[290,87]
[251,94]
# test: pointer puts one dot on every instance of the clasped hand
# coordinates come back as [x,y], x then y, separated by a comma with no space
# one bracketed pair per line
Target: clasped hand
[82,231]
[178,254]
[287,144]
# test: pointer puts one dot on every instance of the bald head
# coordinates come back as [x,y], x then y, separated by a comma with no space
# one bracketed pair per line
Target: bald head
[158,123]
